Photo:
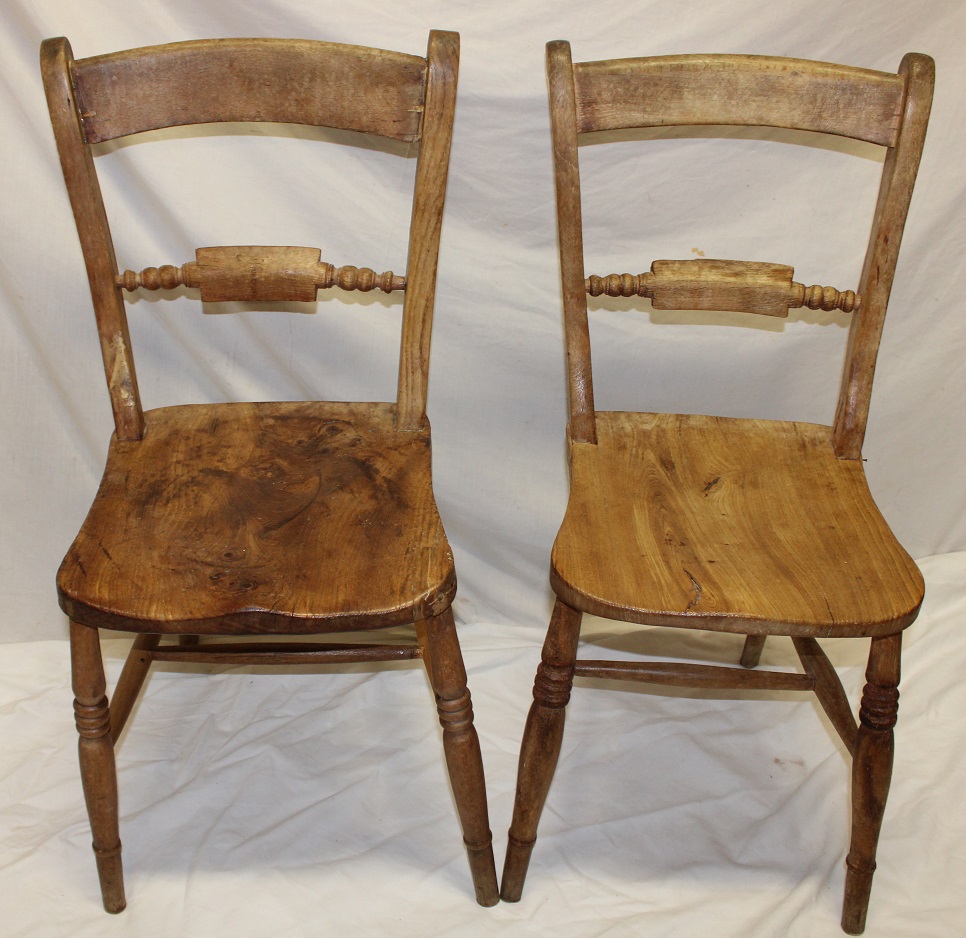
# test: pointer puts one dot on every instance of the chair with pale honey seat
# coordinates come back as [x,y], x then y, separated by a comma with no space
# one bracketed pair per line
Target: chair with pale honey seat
[746,526]
[269,519]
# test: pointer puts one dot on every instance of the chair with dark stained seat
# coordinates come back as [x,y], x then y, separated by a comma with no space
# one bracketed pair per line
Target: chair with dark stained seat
[756,527]
[267,519]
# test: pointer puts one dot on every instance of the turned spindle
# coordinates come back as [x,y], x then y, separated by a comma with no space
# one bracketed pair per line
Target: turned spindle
[362,279]
[736,286]
[167,277]
[827,298]
[260,273]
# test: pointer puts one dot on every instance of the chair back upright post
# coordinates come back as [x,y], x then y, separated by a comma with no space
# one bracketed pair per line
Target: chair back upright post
[563,129]
[442,63]
[97,246]
[918,74]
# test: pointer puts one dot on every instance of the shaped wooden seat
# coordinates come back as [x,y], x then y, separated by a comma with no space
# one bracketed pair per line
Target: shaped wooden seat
[727,524]
[732,525]
[267,518]
[220,509]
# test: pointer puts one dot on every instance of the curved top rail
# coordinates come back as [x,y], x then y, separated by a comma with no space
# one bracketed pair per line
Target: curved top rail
[296,81]
[749,90]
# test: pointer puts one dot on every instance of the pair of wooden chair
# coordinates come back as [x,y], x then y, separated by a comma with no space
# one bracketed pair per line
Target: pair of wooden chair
[315,517]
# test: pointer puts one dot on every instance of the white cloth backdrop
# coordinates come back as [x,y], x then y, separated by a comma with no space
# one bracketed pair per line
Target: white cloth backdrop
[497,403]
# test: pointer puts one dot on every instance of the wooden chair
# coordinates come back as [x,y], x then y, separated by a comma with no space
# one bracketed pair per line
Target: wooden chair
[273,518]
[730,525]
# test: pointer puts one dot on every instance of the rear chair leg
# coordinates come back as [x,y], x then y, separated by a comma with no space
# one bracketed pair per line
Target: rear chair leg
[871,775]
[423,640]
[96,752]
[540,748]
[131,681]
[462,749]
[751,653]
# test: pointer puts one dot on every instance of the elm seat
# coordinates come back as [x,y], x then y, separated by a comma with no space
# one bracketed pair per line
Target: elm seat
[677,519]
[247,513]
[250,520]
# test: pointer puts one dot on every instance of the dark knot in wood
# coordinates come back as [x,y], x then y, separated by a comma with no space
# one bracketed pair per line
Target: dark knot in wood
[92,720]
[553,685]
[880,707]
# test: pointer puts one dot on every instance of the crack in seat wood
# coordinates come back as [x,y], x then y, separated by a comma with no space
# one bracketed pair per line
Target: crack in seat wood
[261,519]
[732,525]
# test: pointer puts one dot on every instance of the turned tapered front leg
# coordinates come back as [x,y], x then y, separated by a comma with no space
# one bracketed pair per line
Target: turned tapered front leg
[96,751]
[871,775]
[444,665]
[540,748]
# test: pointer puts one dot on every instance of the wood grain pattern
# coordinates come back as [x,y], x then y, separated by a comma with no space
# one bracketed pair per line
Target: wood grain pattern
[266,274]
[283,518]
[285,80]
[752,90]
[728,524]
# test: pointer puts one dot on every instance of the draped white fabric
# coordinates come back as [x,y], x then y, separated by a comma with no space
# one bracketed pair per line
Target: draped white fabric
[316,803]
[656,825]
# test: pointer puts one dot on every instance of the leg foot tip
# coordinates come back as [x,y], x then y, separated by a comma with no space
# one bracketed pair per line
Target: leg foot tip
[515,868]
[483,872]
[853,920]
[511,888]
